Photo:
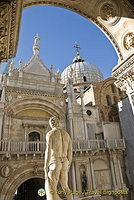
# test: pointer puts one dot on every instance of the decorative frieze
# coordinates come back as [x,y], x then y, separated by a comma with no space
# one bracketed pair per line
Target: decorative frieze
[32,92]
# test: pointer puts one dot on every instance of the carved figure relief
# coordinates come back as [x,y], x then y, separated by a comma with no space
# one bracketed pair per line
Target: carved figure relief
[129,41]
[108,12]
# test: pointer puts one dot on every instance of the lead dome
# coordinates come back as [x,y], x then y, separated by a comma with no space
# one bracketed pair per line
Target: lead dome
[82,72]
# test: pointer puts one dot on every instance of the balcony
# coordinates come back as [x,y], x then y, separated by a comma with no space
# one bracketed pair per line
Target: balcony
[39,147]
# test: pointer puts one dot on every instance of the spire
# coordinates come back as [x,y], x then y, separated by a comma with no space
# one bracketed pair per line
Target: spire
[36,47]
[77,48]
[11,68]
[78,58]
[20,65]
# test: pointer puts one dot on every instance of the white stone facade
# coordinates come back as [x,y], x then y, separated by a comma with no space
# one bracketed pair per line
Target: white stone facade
[32,94]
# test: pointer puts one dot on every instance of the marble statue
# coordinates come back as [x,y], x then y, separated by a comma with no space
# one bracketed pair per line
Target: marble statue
[58,157]
[36,41]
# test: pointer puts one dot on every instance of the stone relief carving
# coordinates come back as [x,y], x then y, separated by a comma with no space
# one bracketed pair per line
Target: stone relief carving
[129,41]
[4,24]
[6,171]
[108,12]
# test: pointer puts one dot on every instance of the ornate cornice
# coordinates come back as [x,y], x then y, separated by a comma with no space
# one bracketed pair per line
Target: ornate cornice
[124,73]
[124,67]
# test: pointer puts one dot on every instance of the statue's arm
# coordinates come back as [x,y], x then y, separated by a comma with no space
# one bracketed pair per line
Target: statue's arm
[70,152]
[47,153]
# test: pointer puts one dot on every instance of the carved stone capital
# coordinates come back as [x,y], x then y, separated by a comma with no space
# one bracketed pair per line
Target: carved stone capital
[124,73]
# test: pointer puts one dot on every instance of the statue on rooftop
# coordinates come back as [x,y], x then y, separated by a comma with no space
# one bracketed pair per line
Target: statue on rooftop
[37,39]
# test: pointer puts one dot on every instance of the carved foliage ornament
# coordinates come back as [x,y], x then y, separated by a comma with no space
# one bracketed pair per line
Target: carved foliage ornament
[4,26]
[129,41]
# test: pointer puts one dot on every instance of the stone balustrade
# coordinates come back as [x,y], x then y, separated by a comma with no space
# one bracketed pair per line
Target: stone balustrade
[21,147]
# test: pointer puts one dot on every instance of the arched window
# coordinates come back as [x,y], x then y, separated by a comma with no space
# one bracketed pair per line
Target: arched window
[34,136]
[115,100]
[84,78]
[108,98]
[113,88]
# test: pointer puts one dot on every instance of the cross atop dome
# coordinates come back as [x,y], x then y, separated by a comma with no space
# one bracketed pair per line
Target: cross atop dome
[77,47]
[36,47]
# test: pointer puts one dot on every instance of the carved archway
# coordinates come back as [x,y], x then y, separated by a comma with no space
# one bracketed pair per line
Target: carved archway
[114,18]
[13,183]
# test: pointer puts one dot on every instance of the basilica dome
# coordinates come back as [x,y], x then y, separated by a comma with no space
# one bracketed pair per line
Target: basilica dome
[82,72]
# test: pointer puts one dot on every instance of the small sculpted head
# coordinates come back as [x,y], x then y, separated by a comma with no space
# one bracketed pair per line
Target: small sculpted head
[54,122]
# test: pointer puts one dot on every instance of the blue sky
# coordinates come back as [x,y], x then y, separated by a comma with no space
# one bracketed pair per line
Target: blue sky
[58,30]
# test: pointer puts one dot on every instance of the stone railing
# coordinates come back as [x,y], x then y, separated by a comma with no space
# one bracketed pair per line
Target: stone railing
[20,147]
[97,144]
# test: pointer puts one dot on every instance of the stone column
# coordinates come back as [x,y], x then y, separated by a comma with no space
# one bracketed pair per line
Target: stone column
[26,127]
[85,127]
[121,176]
[73,176]
[89,176]
[70,120]
[1,118]
[113,173]
[92,174]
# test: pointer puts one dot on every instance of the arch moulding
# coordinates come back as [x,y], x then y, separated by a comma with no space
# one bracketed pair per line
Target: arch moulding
[16,180]
[114,18]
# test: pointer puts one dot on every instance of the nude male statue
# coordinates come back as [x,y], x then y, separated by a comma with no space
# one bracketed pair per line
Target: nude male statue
[58,157]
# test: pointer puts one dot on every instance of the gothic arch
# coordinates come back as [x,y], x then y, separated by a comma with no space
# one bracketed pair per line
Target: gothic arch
[36,103]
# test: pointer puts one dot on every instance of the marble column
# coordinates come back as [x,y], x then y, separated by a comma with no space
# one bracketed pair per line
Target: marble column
[92,174]
[121,176]
[1,118]
[113,173]
[73,176]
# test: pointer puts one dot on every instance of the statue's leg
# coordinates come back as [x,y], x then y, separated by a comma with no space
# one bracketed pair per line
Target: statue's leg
[51,183]
[64,181]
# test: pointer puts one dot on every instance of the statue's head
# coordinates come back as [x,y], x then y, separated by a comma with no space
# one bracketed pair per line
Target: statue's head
[54,122]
